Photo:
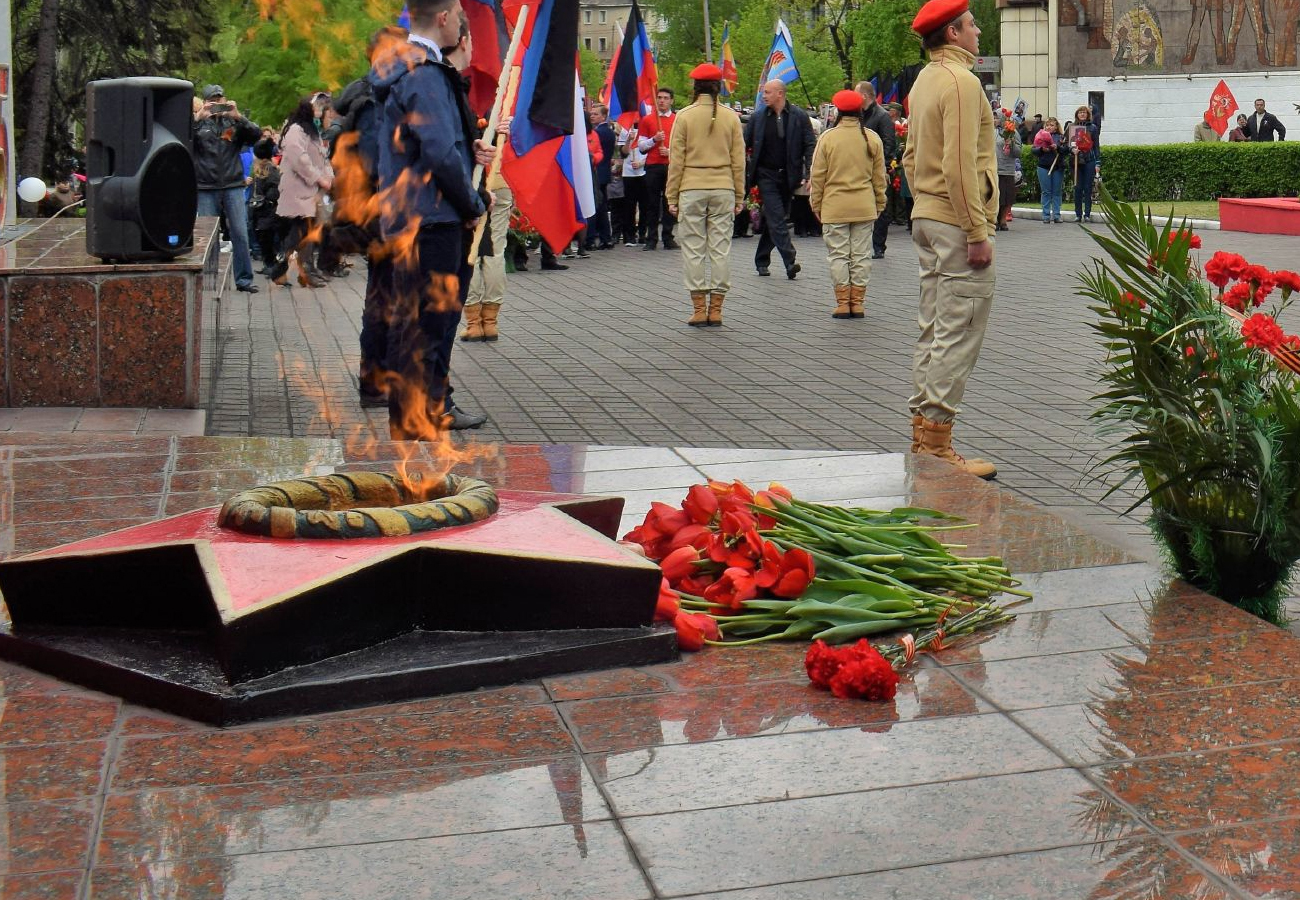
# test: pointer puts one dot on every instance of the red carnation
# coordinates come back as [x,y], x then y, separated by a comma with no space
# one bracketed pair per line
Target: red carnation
[1287,281]
[1237,296]
[1224,267]
[1261,331]
[821,662]
[866,677]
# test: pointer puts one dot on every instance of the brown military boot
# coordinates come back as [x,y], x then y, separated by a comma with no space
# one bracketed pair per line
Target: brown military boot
[916,432]
[857,295]
[841,302]
[936,440]
[715,308]
[490,313]
[473,323]
[699,318]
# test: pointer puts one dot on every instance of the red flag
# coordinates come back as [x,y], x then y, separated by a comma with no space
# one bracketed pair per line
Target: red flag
[1222,106]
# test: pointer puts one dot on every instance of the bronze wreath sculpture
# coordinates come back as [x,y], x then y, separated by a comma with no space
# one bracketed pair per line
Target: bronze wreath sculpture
[355,505]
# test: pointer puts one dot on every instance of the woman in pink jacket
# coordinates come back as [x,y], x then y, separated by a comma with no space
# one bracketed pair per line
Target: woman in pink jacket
[304,175]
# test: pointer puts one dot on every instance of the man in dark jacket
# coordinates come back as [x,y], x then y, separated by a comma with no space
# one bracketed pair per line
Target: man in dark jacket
[780,139]
[220,136]
[1262,125]
[599,236]
[429,207]
[882,124]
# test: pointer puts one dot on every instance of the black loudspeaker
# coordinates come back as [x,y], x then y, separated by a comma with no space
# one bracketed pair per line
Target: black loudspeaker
[141,192]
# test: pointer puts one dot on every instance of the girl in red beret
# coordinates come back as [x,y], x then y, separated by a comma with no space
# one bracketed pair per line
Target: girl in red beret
[847,193]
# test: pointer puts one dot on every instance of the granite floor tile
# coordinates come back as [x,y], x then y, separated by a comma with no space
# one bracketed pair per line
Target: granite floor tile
[44,837]
[1177,613]
[1092,586]
[1134,868]
[326,746]
[85,488]
[774,661]
[814,763]
[52,772]
[45,886]
[51,718]
[1126,727]
[584,861]
[747,710]
[15,680]
[155,826]
[1201,790]
[847,834]
[1136,671]
[607,683]
[1261,858]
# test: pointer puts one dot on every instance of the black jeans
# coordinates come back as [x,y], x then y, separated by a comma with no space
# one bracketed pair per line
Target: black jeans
[880,231]
[656,182]
[772,188]
[636,209]
[426,305]
[598,224]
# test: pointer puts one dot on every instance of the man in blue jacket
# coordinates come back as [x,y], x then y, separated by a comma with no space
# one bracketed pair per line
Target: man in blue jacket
[429,208]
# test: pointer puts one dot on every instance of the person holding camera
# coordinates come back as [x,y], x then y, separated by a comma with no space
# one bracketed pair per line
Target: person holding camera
[219,137]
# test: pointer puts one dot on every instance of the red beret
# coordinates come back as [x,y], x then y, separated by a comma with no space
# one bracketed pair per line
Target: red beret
[938,13]
[848,101]
[706,72]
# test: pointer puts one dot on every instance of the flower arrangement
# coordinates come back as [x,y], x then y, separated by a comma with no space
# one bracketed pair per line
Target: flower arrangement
[754,203]
[522,230]
[743,567]
[1206,420]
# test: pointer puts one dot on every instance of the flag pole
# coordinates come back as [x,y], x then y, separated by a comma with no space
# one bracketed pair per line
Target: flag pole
[708,36]
[506,85]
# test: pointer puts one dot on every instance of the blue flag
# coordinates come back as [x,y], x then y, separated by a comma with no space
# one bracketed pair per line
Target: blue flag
[780,63]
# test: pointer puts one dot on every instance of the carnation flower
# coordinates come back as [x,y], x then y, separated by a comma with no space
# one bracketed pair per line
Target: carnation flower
[1237,296]
[857,670]
[1261,331]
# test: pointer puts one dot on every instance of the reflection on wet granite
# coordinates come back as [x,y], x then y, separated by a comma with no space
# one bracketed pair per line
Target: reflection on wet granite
[324,746]
[820,837]
[1262,858]
[746,710]
[815,763]
[45,886]
[1201,790]
[155,826]
[1118,870]
[1156,724]
[587,862]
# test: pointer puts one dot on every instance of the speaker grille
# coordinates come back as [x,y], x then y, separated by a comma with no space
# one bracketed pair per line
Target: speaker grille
[168,202]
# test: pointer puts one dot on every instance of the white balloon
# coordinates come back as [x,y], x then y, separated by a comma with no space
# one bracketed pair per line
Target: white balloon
[32,190]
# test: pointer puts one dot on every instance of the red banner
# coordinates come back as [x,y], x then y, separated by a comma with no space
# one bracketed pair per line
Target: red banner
[1222,106]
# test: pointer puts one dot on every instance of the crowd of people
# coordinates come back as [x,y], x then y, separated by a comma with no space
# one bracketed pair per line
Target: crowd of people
[385,170]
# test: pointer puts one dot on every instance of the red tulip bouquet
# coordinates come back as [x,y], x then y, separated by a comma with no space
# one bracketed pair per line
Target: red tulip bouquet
[742,567]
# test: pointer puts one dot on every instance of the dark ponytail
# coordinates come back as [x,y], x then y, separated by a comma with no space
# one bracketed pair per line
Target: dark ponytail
[712,88]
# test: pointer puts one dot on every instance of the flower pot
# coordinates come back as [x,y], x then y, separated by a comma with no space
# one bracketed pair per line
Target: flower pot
[1216,547]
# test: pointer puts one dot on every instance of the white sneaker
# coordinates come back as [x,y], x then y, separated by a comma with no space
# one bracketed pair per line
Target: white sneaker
[226,246]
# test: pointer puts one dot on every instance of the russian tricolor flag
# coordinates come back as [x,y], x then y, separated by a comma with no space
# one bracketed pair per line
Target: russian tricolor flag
[546,162]
[633,79]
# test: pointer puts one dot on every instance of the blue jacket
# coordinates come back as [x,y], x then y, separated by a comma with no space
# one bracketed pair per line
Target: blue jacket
[425,135]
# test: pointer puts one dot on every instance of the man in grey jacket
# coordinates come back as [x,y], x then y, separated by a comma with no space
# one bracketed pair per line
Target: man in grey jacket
[879,121]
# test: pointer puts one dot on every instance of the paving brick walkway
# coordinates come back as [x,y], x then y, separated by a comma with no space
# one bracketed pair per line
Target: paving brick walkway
[601,354]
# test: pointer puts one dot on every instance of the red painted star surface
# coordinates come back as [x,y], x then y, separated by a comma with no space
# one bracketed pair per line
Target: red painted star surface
[246,572]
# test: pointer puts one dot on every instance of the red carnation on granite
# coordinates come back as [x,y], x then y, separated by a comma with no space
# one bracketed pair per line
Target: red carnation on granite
[854,671]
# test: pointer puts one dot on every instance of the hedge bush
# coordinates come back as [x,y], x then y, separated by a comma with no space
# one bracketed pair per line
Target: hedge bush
[1189,171]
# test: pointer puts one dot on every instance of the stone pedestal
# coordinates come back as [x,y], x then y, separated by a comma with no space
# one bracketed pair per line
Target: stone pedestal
[76,331]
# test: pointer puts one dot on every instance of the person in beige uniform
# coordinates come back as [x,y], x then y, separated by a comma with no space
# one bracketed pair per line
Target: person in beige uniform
[847,193]
[487,286]
[952,173]
[706,190]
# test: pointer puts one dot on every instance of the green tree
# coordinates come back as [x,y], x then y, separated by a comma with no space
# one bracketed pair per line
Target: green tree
[291,49]
[95,39]
[821,74]
[885,40]
[681,39]
[593,72]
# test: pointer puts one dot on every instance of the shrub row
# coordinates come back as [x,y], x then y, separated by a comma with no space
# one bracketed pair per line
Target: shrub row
[1189,171]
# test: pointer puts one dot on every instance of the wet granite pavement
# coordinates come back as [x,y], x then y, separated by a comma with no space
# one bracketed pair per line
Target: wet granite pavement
[1126,736]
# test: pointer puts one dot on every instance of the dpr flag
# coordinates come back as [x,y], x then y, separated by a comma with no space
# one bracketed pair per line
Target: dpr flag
[780,65]
[633,78]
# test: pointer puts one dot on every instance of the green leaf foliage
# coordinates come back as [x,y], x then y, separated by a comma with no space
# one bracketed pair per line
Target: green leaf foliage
[1189,171]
